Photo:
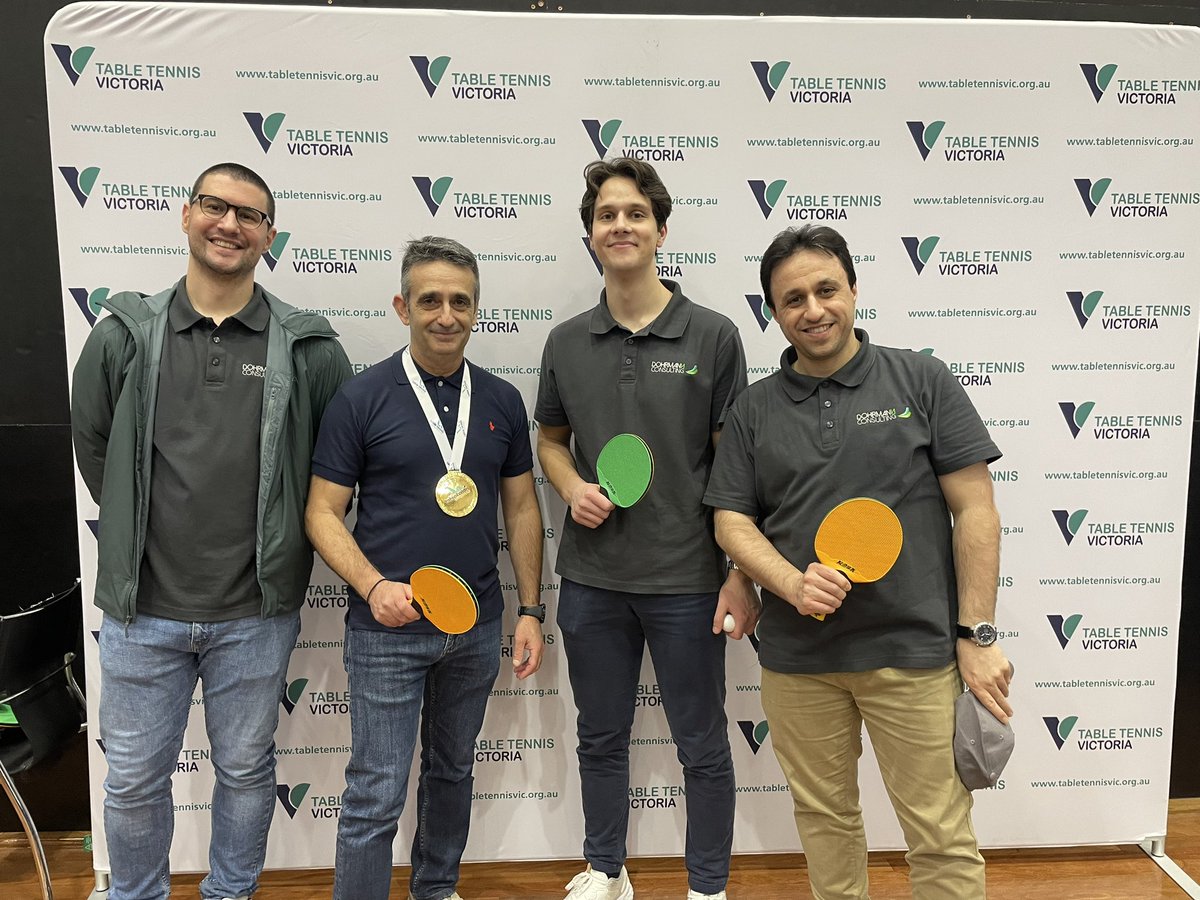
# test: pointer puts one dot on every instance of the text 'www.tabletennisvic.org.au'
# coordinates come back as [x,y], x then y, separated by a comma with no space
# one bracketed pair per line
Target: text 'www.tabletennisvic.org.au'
[1101,580]
[514,795]
[1095,683]
[1108,475]
[1092,782]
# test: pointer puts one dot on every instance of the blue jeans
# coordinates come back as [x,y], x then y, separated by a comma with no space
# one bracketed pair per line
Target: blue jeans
[149,670]
[603,634]
[398,681]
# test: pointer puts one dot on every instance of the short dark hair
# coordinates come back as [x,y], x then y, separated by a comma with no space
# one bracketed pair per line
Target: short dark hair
[642,174]
[821,238]
[436,249]
[238,172]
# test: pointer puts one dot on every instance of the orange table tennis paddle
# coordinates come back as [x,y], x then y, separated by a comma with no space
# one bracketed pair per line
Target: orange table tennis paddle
[444,599]
[861,538]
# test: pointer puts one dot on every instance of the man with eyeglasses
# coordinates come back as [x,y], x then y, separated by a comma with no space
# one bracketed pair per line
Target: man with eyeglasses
[194,413]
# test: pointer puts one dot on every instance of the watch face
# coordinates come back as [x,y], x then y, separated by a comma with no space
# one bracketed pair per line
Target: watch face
[985,634]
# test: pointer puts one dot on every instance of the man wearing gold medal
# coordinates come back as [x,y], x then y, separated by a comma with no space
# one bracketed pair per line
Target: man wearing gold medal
[648,361]
[434,445]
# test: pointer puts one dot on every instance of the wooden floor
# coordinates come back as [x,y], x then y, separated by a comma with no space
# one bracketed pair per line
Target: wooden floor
[1096,873]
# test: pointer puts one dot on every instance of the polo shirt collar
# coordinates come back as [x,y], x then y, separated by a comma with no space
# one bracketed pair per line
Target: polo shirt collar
[454,379]
[670,323]
[182,315]
[800,387]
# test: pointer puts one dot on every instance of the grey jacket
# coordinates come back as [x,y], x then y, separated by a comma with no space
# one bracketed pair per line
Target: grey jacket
[113,398]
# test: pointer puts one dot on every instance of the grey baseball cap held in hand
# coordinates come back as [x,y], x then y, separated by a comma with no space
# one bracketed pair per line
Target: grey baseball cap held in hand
[982,743]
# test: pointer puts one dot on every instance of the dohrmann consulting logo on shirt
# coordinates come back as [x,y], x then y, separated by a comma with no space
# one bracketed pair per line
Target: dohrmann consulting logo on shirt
[665,367]
[879,416]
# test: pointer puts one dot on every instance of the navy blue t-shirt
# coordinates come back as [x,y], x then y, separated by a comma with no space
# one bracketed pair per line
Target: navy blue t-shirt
[374,434]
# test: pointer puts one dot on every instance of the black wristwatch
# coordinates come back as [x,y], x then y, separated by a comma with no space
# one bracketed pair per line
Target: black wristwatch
[538,612]
[984,634]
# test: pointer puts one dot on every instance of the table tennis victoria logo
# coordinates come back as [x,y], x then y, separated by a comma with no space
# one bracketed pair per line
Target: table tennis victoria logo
[477,85]
[755,734]
[1108,533]
[971,261]
[122,195]
[1137,204]
[1117,737]
[89,302]
[811,88]
[1123,316]
[1102,637]
[321,806]
[320,703]
[1157,90]
[965,148]
[312,140]
[327,260]
[808,207]
[122,75]
[651,146]
[477,204]
[1118,427]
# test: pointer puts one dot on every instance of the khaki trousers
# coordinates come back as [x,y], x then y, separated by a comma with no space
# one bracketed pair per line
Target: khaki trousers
[816,730]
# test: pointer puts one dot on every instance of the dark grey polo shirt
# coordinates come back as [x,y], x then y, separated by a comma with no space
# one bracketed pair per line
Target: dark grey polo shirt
[886,425]
[199,562]
[671,383]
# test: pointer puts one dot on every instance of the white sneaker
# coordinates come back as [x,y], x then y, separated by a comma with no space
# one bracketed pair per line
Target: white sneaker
[592,885]
[696,895]
[453,896]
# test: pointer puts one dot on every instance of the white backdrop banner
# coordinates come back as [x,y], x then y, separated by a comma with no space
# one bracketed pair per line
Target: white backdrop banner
[1021,200]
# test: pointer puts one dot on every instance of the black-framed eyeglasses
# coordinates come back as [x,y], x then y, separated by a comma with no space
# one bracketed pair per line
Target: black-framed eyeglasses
[215,208]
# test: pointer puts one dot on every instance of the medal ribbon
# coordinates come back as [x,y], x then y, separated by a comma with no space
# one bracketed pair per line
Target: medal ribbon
[452,455]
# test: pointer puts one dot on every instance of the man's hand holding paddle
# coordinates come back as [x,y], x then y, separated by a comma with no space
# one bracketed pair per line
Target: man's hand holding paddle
[391,604]
[589,507]
[818,591]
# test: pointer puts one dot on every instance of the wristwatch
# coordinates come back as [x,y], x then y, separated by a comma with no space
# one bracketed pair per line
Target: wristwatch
[984,634]
[538,612]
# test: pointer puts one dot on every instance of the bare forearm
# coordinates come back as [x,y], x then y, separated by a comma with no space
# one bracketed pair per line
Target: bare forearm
[340,551]
[742,542]
[523,523]
[976,542]
[558,465]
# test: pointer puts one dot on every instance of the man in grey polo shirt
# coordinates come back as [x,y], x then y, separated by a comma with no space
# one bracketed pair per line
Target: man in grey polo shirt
[845,418]
[648,361]
[194,414]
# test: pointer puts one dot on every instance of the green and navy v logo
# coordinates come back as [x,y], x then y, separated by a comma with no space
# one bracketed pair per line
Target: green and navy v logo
[1060,729]
[290,797]
[265,128]
[1092,192]
[73,61]
[433,192]
[767,195]
[1064,628]
[1098,78]
[770,75]
[761,309]
[1076,416]
[1084,304]
[80,183]
[292,693]
[755,734]
[920,250]
[925,136]
[431,71]
[89,302]
[602,133]
[1069,523]
[275,252]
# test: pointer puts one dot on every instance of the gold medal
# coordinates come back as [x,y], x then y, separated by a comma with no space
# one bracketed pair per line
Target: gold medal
[456,493]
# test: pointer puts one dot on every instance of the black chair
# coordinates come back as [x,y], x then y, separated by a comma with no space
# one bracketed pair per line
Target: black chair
[37,646]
